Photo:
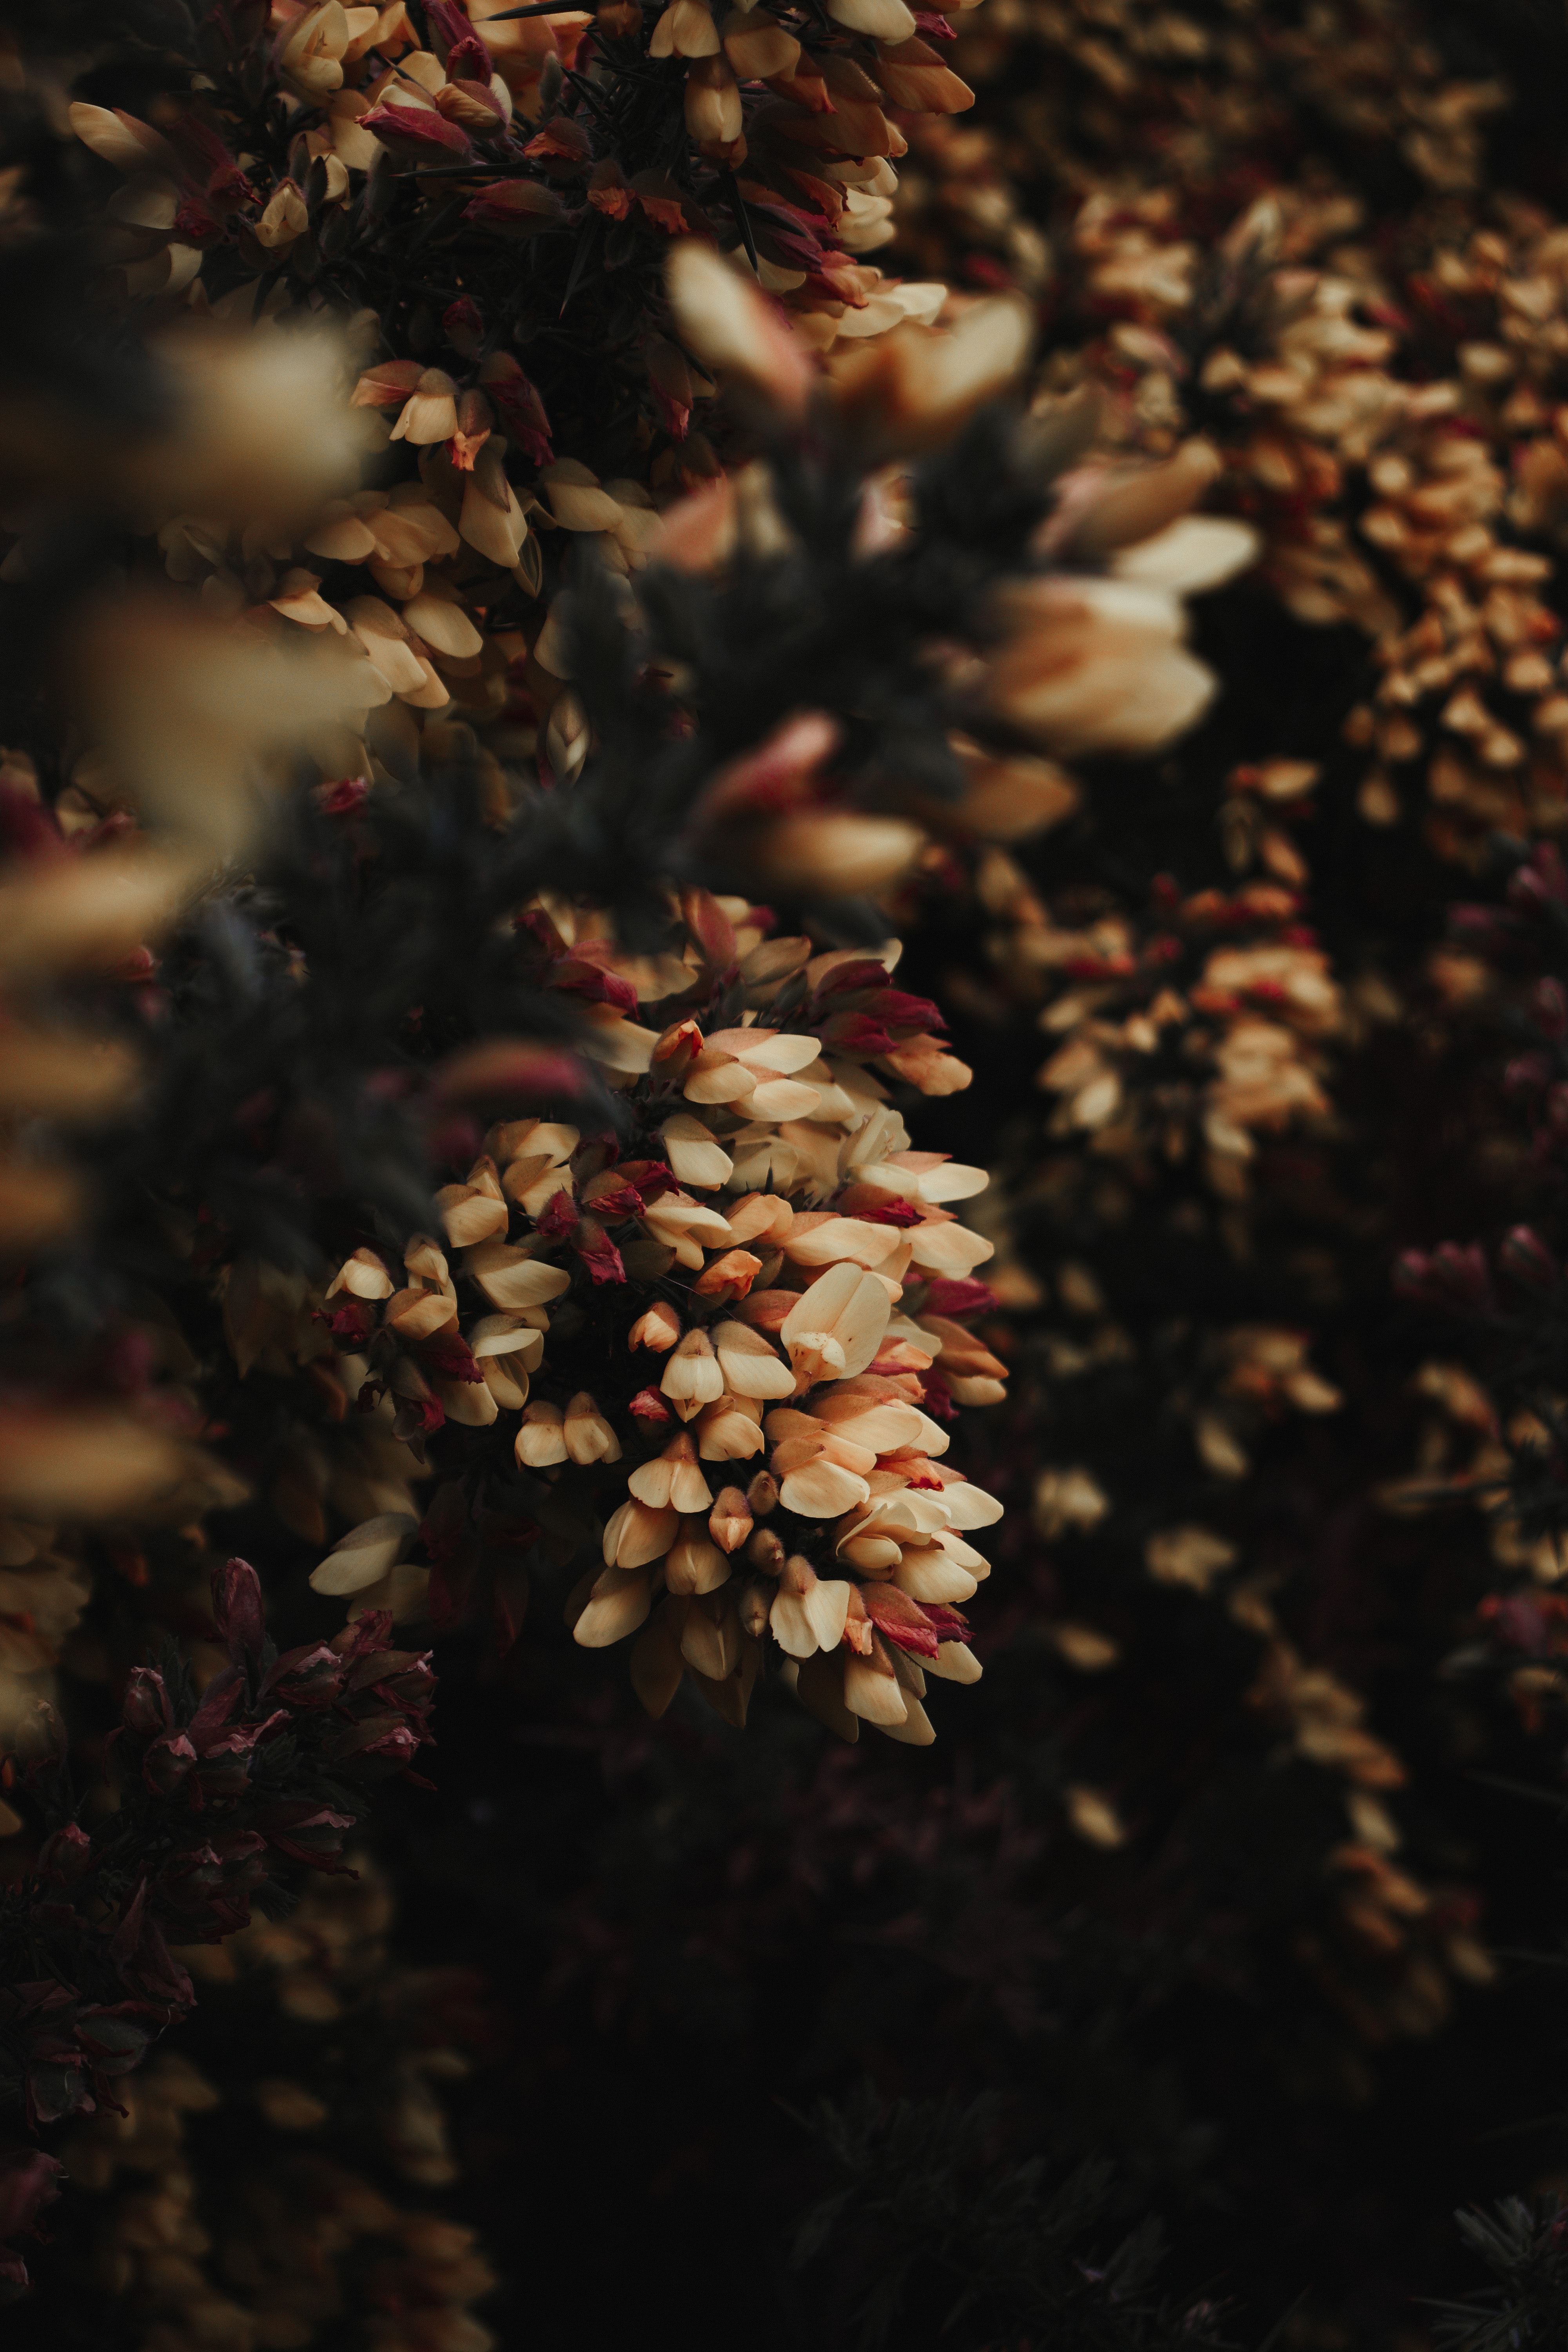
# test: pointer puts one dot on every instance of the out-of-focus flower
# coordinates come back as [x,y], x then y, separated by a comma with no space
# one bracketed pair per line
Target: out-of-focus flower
[190,716]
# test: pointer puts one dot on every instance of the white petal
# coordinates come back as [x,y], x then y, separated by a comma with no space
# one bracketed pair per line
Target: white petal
[750,1366]
[840,1239]
[827,1608]
[650,1484]
[365,1554]
[781,1054]
[932,1576]
[621,1598]
[954,1661]
[819,1308]
[950,1250]
[821,1490]
[952,1181]
[511,1279]
[507,1335]
[694,1155]
[784,1099]
[1196,552]
[883,1427]
[790,1626]
[875,1697]
[970,1507]
[917,1729]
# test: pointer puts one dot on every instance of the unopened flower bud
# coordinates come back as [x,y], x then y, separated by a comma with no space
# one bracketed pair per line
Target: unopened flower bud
[762,1495]
[381,185]
[238,1611]
[765,1552]
[659,1329]
[1550,1004]
[692,1377]
[542,1439]
[731,1520]
[751,1607]
[67,1854]
[677,1048]
[798,1576]
[712,102]
[589,1438]
[145,1709]
[1525,1256]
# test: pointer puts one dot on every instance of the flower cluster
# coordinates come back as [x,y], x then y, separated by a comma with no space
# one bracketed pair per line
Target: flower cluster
[84,1439]
[1392,432]
[1491,1444]
[750,1292]
[1113,100]
[532,165]
[257,1774]
[1386,406]
[1198,1028]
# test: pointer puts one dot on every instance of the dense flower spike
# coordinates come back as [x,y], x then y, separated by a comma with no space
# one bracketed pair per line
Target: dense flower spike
[749,1268]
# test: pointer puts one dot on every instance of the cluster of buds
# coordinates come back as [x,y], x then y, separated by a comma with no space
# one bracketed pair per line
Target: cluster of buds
[1494,1439]
[256,1774]
[961,214]
[1392,1946]
[355,1709]
[1389,413]
[1386,1945]
[1130,137]
[1423,507]
[1469,502]
[1195,1032]
[765,1293]
[1113,104]
[272,2222]
[593,138]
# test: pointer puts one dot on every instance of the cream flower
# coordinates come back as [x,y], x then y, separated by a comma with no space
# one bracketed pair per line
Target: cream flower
[750,1068]
[835,1329]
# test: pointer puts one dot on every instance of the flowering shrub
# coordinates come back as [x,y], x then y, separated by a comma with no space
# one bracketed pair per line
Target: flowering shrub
[577,665]
[441,861]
